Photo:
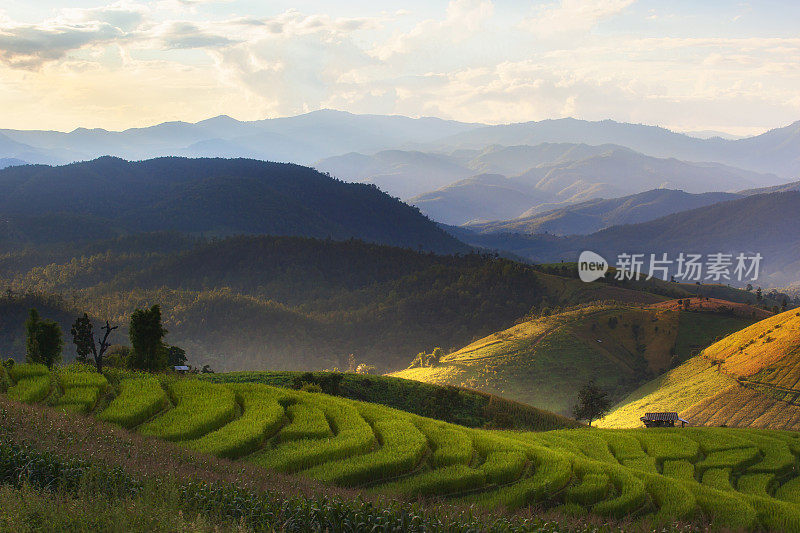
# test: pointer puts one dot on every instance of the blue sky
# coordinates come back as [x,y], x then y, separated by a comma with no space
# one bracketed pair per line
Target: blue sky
[686,65]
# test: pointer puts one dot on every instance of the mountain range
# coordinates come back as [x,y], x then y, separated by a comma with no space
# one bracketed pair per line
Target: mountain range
[300,139]
[765,223]
[608,174]
[593,215]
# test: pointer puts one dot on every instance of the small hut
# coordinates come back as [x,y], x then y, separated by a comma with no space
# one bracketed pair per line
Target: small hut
[662,420]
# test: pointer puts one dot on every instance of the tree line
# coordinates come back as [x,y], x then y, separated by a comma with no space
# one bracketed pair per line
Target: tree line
[44,342]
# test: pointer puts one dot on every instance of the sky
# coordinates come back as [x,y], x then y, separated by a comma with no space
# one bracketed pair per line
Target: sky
[713,65]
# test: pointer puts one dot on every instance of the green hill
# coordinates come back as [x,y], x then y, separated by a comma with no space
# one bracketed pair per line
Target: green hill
[460,406]
[545,360]
[291,303]
[748,379]
[740,479]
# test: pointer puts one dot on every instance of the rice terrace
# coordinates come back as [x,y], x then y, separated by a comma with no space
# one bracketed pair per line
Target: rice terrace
[739,478]
[450,266]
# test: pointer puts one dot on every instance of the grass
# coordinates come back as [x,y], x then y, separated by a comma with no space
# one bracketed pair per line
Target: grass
[469,408]
[31,382]
[353,435]
[81,389]
[307,422]
[262,416]
[545,360]
[199,408]
[736,478]
[750,378]
[139,399]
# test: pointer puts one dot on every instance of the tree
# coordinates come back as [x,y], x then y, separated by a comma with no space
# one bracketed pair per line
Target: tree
[592,403]
[176,356]
[43,341]
[147,334]
[83,337]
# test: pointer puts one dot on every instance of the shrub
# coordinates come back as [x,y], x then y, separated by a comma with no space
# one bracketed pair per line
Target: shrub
[5,381]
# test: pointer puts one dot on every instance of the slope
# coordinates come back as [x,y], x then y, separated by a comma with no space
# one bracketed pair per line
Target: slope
[612,173]
[545,360]
[731,479]
[594,215]
[294,303]
[767,223]
[205,196]
[748,379]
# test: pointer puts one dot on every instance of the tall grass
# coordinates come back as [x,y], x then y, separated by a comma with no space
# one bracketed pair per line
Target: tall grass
[139,400]
[262,416]
[200,408]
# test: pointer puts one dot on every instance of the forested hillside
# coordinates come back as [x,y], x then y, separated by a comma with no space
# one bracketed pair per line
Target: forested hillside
[257,302]
[213,197]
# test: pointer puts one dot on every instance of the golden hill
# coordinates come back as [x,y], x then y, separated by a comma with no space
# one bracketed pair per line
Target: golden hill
[544,361]
[750,378]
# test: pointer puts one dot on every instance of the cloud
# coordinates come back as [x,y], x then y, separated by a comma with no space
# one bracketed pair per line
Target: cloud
[190,35]
[28,46]
[463,19]
[568,17]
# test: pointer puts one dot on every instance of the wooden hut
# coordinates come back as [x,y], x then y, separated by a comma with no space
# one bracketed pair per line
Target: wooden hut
[662,420]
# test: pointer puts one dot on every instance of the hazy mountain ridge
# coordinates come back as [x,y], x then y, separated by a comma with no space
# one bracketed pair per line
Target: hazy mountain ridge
[299,139]
[774,151]
[600,213]
[613,173]
[766,223]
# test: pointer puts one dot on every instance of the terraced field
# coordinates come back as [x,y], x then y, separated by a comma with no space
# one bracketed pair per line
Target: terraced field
[544,361]
[750,378]
[742,478]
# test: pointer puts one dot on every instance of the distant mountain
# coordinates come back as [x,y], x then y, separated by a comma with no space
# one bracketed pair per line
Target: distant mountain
[613,173]
[11,162]
[408,173]
[793,186]
[300,139]
[483,197]
[765,223]
[400,173]
[710,134]
[776,151]
[111,196]
[594,215]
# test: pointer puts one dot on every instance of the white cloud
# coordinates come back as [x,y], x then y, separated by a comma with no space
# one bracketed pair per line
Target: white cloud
[568,17]
[476,61]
